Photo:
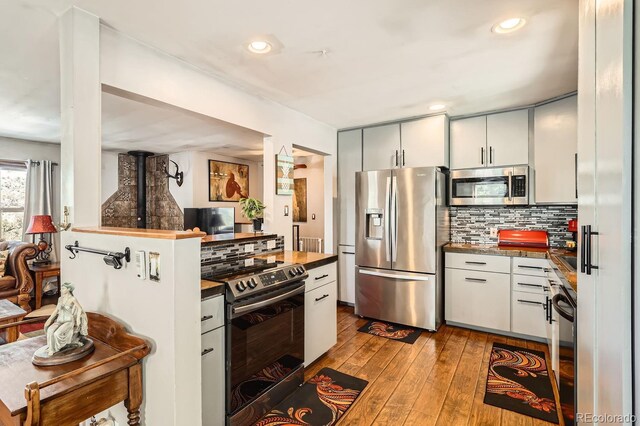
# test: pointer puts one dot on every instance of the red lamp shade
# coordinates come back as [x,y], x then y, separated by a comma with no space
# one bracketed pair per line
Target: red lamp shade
[41,224]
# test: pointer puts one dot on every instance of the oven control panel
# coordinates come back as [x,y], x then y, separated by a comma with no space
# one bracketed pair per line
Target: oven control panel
[242,287]
[273,277]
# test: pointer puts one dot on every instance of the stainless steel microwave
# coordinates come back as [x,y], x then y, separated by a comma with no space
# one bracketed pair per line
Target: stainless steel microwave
[491,186]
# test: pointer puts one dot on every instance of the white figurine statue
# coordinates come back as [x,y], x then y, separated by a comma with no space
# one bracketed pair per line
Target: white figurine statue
[67,324]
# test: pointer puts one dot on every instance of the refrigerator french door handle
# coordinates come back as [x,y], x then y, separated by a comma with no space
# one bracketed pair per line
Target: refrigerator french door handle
[387,222]
[394,218]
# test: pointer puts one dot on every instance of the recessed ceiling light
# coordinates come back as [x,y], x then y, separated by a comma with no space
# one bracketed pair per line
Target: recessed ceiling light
[259,46]
[509,25]
[437,107]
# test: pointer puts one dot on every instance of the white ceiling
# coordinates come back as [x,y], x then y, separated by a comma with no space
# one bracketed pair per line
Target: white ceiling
[132,124]
[387,59]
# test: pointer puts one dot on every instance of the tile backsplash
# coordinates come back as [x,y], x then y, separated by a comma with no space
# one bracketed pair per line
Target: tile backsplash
[473,224]
[215,256]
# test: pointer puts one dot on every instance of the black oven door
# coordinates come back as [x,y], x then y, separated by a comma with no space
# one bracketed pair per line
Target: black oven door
[265,343]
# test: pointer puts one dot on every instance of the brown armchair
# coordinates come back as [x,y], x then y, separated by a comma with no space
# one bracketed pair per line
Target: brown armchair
[17,283]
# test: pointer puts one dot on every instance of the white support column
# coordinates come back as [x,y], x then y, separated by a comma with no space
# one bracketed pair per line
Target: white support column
[80,102]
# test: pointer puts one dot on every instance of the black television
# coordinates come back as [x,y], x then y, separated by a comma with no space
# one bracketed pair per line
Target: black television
[212,220]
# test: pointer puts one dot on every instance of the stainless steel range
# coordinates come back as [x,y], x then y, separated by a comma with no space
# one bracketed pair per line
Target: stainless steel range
[264,325]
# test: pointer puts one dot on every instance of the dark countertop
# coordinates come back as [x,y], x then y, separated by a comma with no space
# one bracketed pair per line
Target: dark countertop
[309,260]
[210,240]
[211,288]
[552,254]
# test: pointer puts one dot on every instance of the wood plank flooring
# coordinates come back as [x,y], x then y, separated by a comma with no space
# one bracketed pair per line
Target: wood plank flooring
[439,380]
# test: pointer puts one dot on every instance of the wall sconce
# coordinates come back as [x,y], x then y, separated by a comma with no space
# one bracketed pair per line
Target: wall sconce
[178,176]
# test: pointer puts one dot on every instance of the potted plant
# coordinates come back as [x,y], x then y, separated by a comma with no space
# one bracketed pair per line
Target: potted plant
[253,209]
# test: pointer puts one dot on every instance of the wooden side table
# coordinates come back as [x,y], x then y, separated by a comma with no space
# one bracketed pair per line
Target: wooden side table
[9,314]
[71,393]
[41,272]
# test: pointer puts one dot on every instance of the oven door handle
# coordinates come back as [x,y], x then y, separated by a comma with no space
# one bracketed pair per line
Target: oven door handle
[559,309]
[241,310]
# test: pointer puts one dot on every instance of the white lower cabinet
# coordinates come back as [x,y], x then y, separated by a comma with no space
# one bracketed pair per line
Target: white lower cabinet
[320,321]
[213,377]
[512,298]
[477,298]
[528,314]
[347,274]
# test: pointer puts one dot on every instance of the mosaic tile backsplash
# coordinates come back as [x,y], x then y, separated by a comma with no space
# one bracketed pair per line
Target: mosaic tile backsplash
[473,224]
[213,257]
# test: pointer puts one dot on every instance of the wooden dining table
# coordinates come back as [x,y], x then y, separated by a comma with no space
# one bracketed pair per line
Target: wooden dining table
[71,393]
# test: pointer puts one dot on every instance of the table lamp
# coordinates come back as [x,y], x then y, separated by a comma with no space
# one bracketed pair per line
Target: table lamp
[42,224]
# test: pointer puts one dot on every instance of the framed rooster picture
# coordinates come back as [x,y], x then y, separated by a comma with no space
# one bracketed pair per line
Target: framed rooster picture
[228,181]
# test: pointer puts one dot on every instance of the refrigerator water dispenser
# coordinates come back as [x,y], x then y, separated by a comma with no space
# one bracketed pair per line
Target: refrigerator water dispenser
[375,227]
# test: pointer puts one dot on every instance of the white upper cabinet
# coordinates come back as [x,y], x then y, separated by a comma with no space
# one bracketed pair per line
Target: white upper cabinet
[508,138]
[555,151]
[425,142]
[381,147]
[349,162]
[469,143]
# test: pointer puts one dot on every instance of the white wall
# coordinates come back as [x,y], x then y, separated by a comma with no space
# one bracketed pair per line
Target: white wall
[134,67]
[314,173]
[195,190]
[109,166]
[166,313]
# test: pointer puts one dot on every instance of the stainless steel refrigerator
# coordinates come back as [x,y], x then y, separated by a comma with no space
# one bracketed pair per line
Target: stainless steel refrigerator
[402,222]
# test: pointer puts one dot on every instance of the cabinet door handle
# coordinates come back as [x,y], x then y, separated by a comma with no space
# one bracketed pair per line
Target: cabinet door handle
[482,155]
[322,276]
[403,162]
[206,317]
[490,155]
[476,280]
[530,285]
[531,267]
[469,262]
[206,351]
[529,301]
[347,252]
[322,297]
[396,158]
[586,250]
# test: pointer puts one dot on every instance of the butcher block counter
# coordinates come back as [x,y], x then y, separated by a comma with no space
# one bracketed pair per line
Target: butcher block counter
[240,237]
[308,259]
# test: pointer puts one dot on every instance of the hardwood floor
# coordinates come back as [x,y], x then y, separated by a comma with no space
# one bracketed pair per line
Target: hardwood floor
[439,380]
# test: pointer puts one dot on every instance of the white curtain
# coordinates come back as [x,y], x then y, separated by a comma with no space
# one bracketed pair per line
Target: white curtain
[39,197]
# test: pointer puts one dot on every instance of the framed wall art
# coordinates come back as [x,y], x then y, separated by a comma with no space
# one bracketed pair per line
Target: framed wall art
[284,174]
[300,200]
[228,181]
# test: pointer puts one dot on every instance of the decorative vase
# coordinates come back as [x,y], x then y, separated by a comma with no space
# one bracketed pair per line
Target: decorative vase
[257,225]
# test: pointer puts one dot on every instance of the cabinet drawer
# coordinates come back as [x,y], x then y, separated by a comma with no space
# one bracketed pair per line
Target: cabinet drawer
[211,313]
[212,359]
[320,321]
[478,298]
[478,262]
[529,283]
[528,314]
[320,276]
[528,266]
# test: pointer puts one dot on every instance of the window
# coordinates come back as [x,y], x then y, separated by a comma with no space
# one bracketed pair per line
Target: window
[12,199]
